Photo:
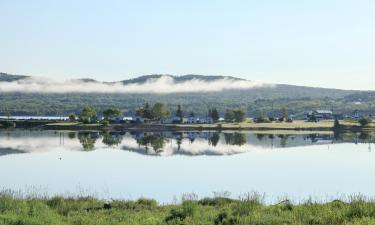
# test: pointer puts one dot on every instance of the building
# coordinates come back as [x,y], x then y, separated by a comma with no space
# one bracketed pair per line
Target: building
[206,120]
[138,119]
[170,120]
[192,120]
[116,119]
[356,114]
[320,115]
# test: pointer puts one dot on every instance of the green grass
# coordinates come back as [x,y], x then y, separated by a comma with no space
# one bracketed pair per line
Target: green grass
[216,211]
[297,124]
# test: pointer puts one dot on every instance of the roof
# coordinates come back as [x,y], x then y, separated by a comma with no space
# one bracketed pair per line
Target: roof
[323,111]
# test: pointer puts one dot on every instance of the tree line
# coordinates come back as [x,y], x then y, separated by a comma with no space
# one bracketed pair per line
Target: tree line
[156,111]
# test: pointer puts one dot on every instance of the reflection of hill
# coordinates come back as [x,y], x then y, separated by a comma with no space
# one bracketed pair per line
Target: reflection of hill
[8,151]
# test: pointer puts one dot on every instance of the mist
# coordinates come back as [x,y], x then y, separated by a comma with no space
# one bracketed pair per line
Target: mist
[162,85]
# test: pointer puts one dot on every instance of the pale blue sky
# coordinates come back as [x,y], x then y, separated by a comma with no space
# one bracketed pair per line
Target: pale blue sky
[329,43]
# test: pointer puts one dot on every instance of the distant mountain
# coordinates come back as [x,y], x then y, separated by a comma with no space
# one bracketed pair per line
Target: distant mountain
[177,79]
[9,78]
[258,100]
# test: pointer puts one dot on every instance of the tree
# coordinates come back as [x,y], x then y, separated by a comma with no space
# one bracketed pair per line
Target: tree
[285,114]
[336,124]
[145,112]
[159,111]
[364,121]
[108,113]
[262,119]
[239,115]
[72,117]
[229,115]
[214,114]
[88,114]
[179,112]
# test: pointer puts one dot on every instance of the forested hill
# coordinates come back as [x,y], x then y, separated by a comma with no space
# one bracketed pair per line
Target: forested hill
[4,77]
[257,100]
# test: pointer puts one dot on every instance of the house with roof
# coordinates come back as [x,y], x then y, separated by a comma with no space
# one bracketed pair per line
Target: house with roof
[320,115]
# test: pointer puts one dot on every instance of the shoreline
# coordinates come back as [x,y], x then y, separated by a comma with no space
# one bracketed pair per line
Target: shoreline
[298,126]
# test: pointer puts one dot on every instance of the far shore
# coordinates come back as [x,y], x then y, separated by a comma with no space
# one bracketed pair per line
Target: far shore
[297,125]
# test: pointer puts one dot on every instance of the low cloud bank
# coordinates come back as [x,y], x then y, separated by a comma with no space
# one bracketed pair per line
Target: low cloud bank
[162,85]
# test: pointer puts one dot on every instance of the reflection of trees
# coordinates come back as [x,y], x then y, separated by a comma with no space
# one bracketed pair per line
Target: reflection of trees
[72,135]
[283,140]
[365,137]
[178,137]
[235,138]
[157,142]
[260,137]
[214,139]
[313,138]
[87,139]
[112,139]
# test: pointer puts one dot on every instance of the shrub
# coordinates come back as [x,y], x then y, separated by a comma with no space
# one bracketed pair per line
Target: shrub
[364,121]
[262,119]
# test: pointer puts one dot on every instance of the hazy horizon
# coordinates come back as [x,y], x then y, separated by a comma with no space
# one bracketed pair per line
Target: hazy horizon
[317,43]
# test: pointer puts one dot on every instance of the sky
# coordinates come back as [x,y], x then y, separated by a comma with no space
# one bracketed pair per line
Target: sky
[325,43]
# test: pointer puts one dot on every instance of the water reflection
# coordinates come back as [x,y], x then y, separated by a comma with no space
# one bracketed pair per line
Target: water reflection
[168,143]
[88,139]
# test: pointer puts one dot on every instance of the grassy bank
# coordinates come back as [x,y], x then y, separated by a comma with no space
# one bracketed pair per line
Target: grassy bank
[216,211]
[247,125]
[297,125]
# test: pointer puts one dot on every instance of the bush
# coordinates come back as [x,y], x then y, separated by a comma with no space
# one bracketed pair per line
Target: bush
[189,209]
[105,123]
[364,121]
[262,119]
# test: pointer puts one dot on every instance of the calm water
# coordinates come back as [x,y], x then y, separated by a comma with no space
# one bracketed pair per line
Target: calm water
[166,165]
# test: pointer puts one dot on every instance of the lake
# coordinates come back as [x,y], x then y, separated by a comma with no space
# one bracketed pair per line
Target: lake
[164,166]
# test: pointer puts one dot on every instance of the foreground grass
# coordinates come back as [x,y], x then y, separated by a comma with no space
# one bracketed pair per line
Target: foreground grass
[217,211]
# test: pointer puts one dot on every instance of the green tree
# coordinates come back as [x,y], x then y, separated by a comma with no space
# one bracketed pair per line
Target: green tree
[145,112]
[239,115]
[336,124]
[262,119]
[229,115]
[72,117]
[365,121]
[285,114]
[159,111]
[88,114]
[179,112]
[108,113]
[214,114]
